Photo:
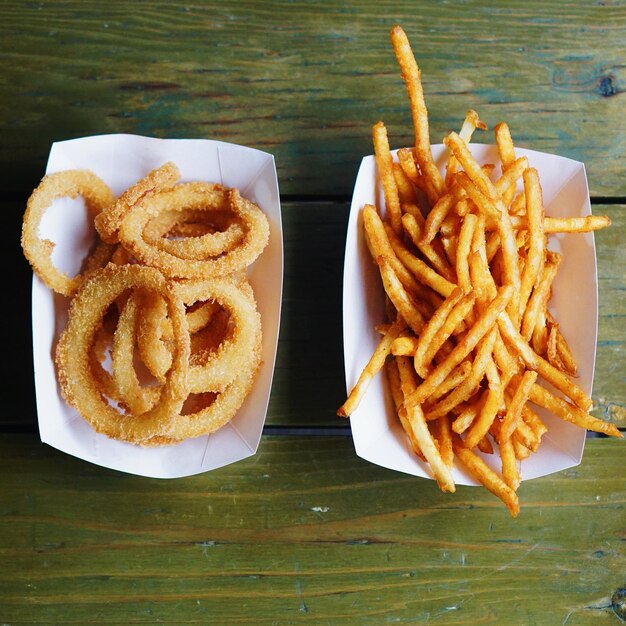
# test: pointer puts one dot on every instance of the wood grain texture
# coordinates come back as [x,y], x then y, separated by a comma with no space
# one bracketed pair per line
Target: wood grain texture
[609,389]
[307,80]
[304,531]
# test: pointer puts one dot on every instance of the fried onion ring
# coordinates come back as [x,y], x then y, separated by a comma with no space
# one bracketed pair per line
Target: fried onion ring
[151,325]
[73,360]
[223,364]
[162,178]
[70,183]
[198,239]
[218,410]
[132,395]
[197,195]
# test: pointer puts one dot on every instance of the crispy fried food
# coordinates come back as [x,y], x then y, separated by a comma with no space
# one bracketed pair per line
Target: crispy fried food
[72,356]
[71,183]
[160,179]
[198,196]
[145,358]
[222,365]
[194,234]
[465,365]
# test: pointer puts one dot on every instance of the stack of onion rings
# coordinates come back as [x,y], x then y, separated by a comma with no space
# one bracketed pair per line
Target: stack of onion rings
[163,339]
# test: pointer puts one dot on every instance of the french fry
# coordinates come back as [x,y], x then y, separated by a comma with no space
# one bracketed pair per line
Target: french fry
[485,446]
[508,247]
[507,157]
[505,144]
[462,309]
[565,354]
[533,361]
[431,329]
[521,451]
[373,366]
[539,298]
[406,191]
[570,413]
[551,352]
[480,426]
[440,470]
[425,274]
[384,163]
[393,378]
[575,224]
[486,476]
[402,377]
[472,169]
[509,178]
[517,208]
[463,251]
[412,78]
[432,251]
[534,422]
[468,414]
[539,338]
[398,295]
[451,226]
[536,254]
[439,212]
[407,163]
[513,414]
[443,436]
[525,434]
[453,381]
[470,124]
[378,243]
[469,385]
[463,348]
[510,470]
[404,346]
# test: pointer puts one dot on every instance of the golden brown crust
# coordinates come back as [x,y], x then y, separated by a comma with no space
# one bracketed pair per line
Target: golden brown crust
[124,360]
[162,178]
[70,183]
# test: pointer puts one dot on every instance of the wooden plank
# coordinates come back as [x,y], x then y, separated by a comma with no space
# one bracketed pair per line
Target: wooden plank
[609,389]
[305,530]
[306,81]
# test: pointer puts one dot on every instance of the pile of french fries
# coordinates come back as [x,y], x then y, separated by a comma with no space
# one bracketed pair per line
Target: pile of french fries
[468,276]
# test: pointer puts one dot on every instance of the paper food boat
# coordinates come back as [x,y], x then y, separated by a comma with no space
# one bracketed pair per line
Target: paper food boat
[378,435]
[121,160]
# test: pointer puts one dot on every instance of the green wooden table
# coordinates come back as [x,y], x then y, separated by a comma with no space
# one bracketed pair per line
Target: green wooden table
[305,531]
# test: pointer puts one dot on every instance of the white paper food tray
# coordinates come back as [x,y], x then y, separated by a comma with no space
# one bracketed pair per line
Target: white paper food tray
[121,160]
[378,435]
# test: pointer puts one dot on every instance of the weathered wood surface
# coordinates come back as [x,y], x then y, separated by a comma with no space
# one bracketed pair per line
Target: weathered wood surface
[307,80]
[304,532]
[309,381]
[609,389]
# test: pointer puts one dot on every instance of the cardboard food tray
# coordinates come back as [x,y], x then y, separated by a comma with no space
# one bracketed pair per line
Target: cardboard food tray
[121,160]
[378,435]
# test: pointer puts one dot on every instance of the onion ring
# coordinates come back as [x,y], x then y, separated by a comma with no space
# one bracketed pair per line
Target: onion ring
[197,194]
[69,183]
[151,325]
[131,394]
[226,404]
[72,356]
[220,410]
[224,363]
[200,239]
[108,222]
